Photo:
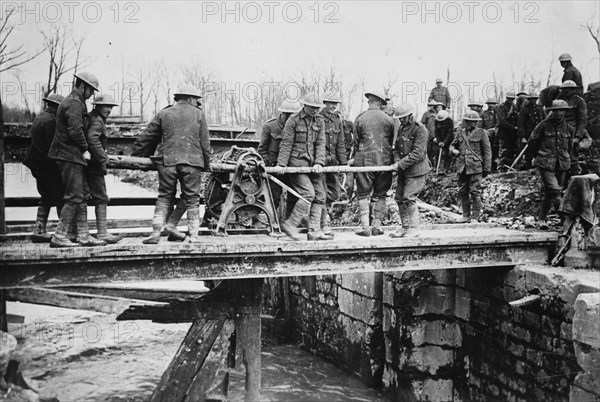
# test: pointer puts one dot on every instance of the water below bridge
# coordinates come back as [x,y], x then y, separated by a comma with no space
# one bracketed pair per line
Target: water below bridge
[77,355]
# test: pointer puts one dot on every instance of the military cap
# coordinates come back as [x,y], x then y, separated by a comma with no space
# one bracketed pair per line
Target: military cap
[312,99]
[403,110]
[442,115]
[511,94]
[491,101]
[438,80]
[378,95]
[532,95]
[565,57]
[568,84]
[331,97]
[559,104]
[54,98]
[433,102]
[471,115]
[475,103]
[288,106]
[104,99]
[188,90]
[89,79]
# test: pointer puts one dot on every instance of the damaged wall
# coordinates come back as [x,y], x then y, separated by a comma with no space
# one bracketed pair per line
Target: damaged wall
[451,335]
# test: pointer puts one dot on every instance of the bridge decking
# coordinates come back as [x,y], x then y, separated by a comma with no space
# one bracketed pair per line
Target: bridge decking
[23,263]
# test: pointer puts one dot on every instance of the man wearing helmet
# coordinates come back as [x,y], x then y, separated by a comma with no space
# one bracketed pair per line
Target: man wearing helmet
[440,94]
[303,145]
[96,168]
[44,169]
[529,117]
[183,152]
[374,133]
[444,134]
[551,140]
[428,120]
[571,72]
[576,117]
[412,164]
[507,118]
[335,154]
[474,161]
[488,119]
[69,147]
[270,140]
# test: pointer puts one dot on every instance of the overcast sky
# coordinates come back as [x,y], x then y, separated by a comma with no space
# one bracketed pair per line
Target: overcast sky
[377,41]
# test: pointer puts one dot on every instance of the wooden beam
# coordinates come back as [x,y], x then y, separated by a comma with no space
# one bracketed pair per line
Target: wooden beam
[138,293]
[79,301]
[446,214]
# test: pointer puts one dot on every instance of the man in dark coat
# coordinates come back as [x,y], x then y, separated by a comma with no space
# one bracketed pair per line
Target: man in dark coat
[571,72]
[69,147]
[529,117]
[507,117]
[44,169]
[410,154]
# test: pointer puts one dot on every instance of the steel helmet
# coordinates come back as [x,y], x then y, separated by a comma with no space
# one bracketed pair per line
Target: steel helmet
[104,99]
[312,99]
[54,98]
[559,105]
[188,90]
[568,84]
[438,80]
[491,101]
[89,79]
[378,95]
[511,94]
[471,115]
[533,95]
[433,103]
[331,97]
[475,103]
[565,57]
[288,106]
[403,110]
[442,115]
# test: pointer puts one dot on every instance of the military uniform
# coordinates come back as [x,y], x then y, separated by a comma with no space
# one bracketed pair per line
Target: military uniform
[349,142]
[529,117]
[303,145]
[428,120]
[410,153]
[335,152]
[508,138]
[474,160]
[444,133]
[440,95]
[576,117]
[489,122]
[551,139]
[572,73]
[97,166]
[183,151]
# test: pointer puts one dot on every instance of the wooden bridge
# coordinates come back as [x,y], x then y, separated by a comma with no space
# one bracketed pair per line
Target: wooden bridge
[226,321]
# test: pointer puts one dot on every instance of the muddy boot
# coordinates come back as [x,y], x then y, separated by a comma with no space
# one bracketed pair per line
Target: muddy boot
[543,216]
[290,225]
[193,215]
[101,225]
[413,220]
[158,222]
[363,210]
[83,232]
[475,209]
[405,221]
[39,233]
[314,226]
[378,214]
[171,228]
[67,217]
[326,222]
[466,208]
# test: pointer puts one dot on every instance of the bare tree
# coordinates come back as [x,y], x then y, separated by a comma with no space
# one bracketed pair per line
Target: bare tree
[594,30]
[64,50]
[15,57]
[21,81]
[145,77]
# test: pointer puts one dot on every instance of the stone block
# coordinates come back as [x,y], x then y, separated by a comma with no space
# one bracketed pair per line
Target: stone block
[368,284]
[586,319]
[389,318]
[430,359]
[455,302]
[359,307]
[437,390]
[586,384]
[587,357]
[441,333]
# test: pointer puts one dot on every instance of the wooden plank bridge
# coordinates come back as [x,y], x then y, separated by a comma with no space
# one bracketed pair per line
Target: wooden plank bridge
[226,329]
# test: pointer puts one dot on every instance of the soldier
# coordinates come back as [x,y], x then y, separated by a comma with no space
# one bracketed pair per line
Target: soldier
[335,154]
[551,141]
[570,72]
[488,119]
[270,140]
[374,133]
[349,142]
[576,117]
[183,152]
[44,169]
[440,94]
[472,147]
[477,107]
[303,145]
[507,117]
[69,147]
[412,164]
[444,135]
[428,120]
[529,117]
[96,168]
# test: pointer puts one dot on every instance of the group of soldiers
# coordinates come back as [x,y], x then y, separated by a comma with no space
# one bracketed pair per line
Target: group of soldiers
[69,161]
